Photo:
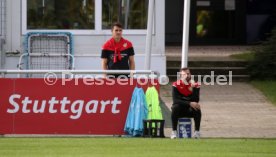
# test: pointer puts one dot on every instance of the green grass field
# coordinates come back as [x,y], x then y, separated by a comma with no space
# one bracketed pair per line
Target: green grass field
[268,88]
[248,56]
[135,147]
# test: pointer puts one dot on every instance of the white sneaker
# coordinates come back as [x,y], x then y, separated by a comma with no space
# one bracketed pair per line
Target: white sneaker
[196,134]
[173,135]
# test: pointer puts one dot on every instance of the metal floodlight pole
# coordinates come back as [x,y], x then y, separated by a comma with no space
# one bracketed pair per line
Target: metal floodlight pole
[119,11]
[149,34]
[126,14]
[185,41]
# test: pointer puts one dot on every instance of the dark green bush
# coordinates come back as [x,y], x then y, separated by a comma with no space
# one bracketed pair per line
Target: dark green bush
[263,65]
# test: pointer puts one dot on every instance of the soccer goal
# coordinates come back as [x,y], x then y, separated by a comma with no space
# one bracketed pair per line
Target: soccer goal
[47,51]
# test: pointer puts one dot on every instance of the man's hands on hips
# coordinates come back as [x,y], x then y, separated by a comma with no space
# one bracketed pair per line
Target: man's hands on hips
[195,105]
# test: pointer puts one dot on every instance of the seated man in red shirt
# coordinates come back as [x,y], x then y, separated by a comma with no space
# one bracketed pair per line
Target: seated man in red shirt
[185,93]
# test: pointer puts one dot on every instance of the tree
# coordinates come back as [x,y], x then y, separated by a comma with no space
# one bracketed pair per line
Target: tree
[263,65]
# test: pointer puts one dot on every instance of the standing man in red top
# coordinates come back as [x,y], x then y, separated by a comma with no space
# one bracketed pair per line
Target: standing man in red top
[117,52]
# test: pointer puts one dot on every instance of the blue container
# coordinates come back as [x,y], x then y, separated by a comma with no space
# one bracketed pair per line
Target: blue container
[184,128]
